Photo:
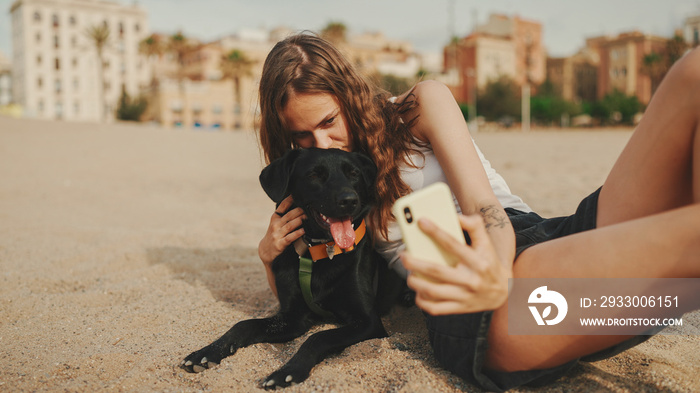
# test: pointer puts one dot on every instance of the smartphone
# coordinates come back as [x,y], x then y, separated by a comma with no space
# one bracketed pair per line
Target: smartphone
[436,204]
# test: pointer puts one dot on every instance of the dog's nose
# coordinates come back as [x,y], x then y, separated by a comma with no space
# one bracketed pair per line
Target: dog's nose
[348,201]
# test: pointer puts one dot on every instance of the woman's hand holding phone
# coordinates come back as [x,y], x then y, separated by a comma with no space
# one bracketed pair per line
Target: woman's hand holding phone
[475,283]
[448,275]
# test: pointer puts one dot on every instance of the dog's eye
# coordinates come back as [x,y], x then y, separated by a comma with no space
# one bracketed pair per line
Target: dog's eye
[318,174]
[352,173]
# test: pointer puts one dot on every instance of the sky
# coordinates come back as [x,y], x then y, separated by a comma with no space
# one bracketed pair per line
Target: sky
[426,23]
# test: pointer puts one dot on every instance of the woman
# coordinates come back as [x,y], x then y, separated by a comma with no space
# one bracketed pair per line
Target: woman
[647,211]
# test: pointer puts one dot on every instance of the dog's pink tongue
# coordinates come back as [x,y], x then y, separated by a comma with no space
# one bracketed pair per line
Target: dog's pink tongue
[342,232]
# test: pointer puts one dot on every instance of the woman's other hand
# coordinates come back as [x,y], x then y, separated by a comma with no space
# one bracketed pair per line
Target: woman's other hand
[478,282]
[284,229]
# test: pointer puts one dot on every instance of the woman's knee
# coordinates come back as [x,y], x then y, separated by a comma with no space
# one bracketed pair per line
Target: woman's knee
[685,71]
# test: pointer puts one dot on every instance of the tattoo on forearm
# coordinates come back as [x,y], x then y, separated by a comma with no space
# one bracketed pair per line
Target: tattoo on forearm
[494,217]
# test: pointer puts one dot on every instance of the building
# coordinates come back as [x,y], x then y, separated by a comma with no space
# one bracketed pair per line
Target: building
[575,78]
[203,97]
[691,30]
[56,64]
[5,81]
[504,46]
[482,58]
[373,52]
[621,64]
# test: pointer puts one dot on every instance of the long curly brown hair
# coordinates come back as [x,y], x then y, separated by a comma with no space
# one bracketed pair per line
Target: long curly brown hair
[307,64]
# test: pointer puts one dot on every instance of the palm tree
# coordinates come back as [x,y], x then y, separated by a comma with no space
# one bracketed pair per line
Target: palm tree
[236,65]
[335,32]
[99,34]
[654,66]
[152,46]
[675,49]
[180,46]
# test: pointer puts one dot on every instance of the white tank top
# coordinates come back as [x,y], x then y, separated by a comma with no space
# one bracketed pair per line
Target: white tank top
[428,171]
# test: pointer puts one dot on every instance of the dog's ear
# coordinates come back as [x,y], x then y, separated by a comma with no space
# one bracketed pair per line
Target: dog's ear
[274,178]
[368,168]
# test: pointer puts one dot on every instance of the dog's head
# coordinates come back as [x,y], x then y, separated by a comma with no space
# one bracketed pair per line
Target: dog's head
[334,187]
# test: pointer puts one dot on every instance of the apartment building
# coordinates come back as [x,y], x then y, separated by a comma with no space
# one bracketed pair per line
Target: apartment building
[575,78]
[204,98]
[373,52]
[621,64]
[56,66]
[504,46]
[5,81]
[691,30]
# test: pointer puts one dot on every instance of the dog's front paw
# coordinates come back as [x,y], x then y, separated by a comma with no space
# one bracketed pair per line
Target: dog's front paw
[203,359]
[286,376]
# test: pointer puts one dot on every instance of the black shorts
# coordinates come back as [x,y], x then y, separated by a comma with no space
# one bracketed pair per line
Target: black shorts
[459,341]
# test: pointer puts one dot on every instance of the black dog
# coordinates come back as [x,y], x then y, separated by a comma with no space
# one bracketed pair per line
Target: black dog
[335,189]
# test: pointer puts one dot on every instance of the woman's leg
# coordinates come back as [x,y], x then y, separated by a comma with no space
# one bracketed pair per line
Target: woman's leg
[662,245]
[659,169]
[648,222]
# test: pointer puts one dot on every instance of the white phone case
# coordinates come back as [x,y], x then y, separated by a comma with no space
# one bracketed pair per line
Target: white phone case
[435,203]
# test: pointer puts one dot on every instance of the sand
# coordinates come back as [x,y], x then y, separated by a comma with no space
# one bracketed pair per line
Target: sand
[125,247]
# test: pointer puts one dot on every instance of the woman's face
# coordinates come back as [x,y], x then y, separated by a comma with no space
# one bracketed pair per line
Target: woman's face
[315,120]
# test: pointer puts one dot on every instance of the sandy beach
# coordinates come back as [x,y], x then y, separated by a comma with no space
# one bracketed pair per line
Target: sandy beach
[125,247]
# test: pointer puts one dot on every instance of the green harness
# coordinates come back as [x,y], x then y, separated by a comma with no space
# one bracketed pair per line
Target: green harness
[318,252]
[306,266]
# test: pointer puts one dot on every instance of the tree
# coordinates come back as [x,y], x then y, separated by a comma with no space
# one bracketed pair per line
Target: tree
[500,100]
[130,110]
[616,107]
[675,49]
[99,35]
[180,46]
[548,106]
[152,46]
[393,84]
[236,65]
[335,32]
[654,66]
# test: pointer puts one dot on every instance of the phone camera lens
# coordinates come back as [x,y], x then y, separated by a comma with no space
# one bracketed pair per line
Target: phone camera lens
[408,215]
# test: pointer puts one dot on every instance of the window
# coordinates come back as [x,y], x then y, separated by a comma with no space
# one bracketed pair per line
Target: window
[41,106]
[59,110]
[121,29]
[137,28]
[54,18]
[76,107]
[57,63]
[74,41]
[76,84]
[37,17]
[38,38]
[38,60]
[55,41]
[72,20]
[75,62]
[57,86]
[39,82]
